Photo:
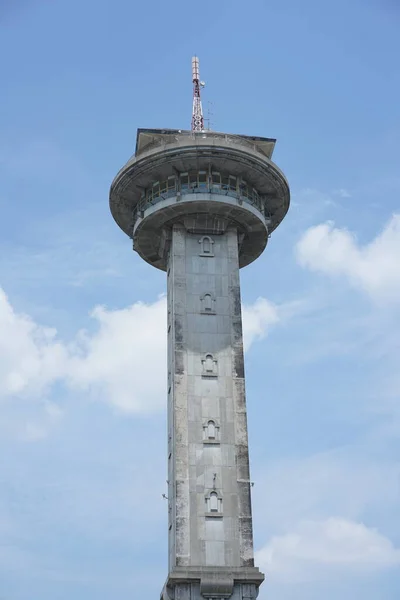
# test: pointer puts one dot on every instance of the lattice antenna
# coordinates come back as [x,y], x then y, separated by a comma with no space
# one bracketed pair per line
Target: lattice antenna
[197,113]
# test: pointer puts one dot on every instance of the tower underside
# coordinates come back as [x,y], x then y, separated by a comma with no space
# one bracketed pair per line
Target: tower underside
[200,206]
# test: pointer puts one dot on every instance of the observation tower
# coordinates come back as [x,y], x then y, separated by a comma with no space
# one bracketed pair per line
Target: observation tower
[200,205]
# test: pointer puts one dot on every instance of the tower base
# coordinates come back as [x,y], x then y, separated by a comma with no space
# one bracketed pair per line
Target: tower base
[212,583]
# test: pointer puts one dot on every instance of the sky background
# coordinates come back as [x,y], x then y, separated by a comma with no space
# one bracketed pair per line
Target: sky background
[83,319]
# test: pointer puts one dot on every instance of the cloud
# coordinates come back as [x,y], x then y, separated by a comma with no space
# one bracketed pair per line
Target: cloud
[258,318]
[334,543]
[30,356]
[347,481]
[373,268]
[122,362]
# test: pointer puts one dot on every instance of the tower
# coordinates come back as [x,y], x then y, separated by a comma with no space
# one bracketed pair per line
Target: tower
[200,205]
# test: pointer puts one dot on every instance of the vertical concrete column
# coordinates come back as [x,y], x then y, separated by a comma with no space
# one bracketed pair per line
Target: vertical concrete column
[178,447]
[210,522]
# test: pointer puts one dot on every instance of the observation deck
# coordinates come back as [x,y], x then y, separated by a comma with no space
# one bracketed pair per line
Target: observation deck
[206,180]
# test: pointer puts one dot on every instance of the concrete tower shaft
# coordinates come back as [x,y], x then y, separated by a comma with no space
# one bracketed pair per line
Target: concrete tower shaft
[200,205]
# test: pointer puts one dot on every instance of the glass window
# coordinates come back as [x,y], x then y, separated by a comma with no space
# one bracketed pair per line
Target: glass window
[256,198]
[225,182]
[202,179]
[184,181]
[171,182]
[243,189]
[163,187]
[156,188]
[232,182]
[216,178]
[193,180]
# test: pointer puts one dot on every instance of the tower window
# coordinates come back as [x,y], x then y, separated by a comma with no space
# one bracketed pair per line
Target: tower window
[184,181]
[206,245]
[214,502]
[193,180]
[156,189]
[211,430]
[209,366]
[207,303]
[203,180]
[216,179]
[209,363]
[232,182]
[171,182]
[163,187]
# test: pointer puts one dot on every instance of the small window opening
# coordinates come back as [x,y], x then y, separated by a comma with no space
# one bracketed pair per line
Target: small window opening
[209,363]
[211,430]
[206,245]
[207,303]
[213,502]
[232,182]
[203,180]
[171,182]
[184,181]
[216,179]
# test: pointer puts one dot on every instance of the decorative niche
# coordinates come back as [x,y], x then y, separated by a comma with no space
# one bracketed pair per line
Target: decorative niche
[213,502]
[207,303]
[206,246]
[210,366]
[211,432]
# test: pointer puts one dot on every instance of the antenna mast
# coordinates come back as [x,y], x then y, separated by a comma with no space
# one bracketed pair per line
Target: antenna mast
[197,114]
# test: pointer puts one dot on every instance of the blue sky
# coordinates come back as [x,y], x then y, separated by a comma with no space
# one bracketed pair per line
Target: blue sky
[82,318]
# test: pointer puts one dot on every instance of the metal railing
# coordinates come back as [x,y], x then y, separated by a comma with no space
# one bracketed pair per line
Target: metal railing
[160,191]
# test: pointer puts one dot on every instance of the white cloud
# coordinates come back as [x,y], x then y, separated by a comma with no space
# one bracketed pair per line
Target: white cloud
[30,356]
[123,362]
[258,318]
[349,481]
[313,546]
[373,268]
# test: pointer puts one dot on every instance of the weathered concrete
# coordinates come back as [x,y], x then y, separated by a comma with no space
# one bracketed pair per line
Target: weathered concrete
[176,199]
[206,395]
[174,152]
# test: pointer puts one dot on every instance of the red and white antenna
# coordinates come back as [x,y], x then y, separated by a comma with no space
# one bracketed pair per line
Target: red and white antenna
[197,114]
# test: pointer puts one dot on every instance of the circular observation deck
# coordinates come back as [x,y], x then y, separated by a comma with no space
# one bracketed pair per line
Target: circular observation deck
[207,179]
